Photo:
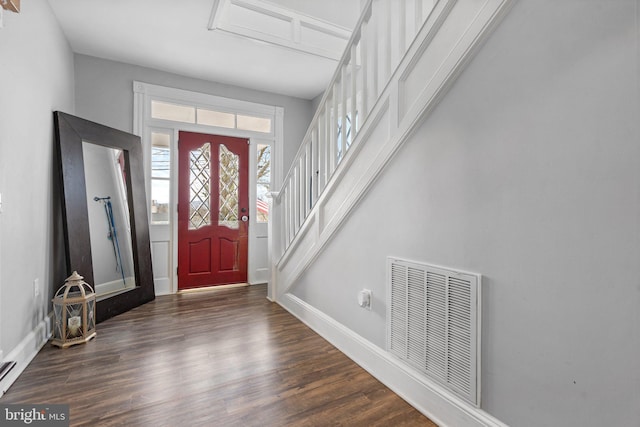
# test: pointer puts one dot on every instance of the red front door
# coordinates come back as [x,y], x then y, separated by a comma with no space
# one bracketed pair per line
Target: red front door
[213,209]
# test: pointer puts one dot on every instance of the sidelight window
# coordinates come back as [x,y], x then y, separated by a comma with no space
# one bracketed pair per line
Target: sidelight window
[263,182]
[160,177]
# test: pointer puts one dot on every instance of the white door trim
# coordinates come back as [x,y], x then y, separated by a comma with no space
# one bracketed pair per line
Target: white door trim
[144,93]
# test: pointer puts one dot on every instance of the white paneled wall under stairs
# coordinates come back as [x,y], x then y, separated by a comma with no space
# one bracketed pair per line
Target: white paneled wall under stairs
[402,57]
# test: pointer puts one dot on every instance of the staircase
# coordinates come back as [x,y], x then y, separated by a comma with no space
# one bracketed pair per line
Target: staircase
[400,60]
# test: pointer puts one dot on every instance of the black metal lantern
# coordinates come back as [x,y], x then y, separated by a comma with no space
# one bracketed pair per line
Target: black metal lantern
[74,312]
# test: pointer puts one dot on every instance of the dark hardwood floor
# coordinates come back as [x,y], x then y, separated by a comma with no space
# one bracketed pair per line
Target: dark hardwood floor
[225,357]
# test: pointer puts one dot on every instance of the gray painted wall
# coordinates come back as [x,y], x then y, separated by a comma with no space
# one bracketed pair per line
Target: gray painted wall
[36,78]
[315,102]
[104,94]
[528,172]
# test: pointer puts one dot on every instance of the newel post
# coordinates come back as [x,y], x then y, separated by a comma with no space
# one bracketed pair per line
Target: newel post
[274,231]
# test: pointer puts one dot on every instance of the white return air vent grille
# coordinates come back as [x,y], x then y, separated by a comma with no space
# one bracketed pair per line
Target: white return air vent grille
[433,324]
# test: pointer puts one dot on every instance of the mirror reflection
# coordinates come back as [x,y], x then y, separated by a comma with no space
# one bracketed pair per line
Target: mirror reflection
[109,219]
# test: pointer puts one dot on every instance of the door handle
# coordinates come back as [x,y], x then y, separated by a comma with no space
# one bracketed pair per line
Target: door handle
[244,218]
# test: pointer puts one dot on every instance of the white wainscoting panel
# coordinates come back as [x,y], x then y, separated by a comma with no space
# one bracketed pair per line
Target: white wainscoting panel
[161,259]
[278,25]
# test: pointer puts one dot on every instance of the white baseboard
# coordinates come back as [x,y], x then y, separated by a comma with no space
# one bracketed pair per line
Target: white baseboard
[439,405]
[24,353]
[163,287]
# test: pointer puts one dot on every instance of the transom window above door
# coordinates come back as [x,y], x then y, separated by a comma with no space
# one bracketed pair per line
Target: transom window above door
[192,114]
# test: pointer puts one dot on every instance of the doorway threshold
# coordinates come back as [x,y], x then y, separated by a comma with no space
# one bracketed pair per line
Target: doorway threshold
[213,288]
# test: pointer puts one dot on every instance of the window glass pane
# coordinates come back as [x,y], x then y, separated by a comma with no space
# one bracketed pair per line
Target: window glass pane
[339,138]
[256,124]
[348,131]
[346,107]
[160,155]
[177,113]
[263,182]
[200,187]
[229,185]
[216,118]
[159,200]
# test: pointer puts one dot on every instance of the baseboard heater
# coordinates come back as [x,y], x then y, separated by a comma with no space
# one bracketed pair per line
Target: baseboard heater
[433,324]
[5,367]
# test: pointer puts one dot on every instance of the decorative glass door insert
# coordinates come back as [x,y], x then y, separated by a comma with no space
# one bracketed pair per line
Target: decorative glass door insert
[229,171]
[200,187]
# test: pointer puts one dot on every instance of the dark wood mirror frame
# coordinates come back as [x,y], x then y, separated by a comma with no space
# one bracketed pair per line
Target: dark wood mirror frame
[71,131]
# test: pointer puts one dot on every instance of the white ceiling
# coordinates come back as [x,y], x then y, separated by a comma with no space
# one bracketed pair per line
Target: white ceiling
[172,36]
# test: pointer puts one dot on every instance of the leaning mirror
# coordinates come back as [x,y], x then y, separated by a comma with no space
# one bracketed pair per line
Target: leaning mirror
[105,215]
[109,225]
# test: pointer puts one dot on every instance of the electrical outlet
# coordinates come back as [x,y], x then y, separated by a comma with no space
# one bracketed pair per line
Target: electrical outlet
[36,288]
[364,298]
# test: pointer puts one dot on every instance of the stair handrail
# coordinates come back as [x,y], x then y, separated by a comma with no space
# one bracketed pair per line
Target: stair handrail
[365,15]
[337,114]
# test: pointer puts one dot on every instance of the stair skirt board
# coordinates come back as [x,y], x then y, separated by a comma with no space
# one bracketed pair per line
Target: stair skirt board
[391,122]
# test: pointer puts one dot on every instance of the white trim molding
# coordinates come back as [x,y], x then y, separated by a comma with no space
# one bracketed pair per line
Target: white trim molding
[422,78]
[271,23]
[144,125]
[451,35]
[26,351]
[439,405]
